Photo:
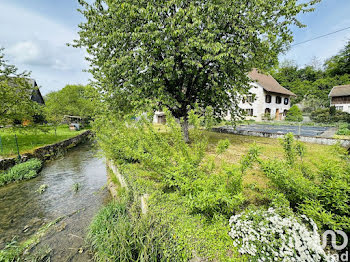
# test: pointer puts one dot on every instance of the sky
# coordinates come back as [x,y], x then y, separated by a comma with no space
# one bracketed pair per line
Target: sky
[34,34]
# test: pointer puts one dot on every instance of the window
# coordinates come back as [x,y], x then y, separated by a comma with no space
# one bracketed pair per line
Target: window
[249,112]
[339,108]
[278,100]
[249,99]
[267,111]
[286,100]
[268,99]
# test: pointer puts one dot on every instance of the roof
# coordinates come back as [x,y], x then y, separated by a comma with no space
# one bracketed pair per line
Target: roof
[269,83]
[343,90]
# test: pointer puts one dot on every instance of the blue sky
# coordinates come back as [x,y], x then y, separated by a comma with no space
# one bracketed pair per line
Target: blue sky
[35,32]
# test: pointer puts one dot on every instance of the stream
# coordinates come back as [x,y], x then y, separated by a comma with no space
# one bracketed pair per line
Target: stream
[23,210]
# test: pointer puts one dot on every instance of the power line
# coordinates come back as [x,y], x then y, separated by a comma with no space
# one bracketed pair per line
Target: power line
[321,36]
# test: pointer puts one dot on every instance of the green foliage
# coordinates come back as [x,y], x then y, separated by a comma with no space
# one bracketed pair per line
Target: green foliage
[222,146]
[73,100]
[289,148]
[177,54]
[294,114]
[344,129]
[22,171]
[322,194]
[325,116]
[15,93]
[340,63]
[312,84]
[116,235]
[181,167]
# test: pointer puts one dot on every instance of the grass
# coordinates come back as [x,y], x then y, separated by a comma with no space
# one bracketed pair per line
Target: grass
[30,138]
[255,182]
[195,232]
[22,171]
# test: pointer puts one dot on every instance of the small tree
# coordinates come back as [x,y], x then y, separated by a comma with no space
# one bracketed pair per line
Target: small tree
[294,114]
[53,110]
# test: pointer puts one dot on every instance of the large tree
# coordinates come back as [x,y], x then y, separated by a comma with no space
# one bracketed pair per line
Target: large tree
[15,94]
[181,53]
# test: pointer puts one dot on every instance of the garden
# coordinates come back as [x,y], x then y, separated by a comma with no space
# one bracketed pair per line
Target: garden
[220,197]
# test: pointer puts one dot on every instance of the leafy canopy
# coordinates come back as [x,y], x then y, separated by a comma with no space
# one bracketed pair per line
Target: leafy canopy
[74,100]
[178,53]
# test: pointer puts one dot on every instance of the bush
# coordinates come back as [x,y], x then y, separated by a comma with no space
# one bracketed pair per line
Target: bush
[179,166]
[328,116]
[294,114]
[22,171]
[270,236]
[322,194]
[344,129]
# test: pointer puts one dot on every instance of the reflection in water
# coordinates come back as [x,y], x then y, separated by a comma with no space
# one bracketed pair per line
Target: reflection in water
[23,210]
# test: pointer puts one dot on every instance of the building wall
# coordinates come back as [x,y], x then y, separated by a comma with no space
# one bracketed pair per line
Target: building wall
[341,103]
[259,105]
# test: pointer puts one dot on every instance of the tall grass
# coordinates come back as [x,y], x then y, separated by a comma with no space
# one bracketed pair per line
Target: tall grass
[117,235]
[22,171]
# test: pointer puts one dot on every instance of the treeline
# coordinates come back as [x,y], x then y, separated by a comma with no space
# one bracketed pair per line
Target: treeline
[313,82]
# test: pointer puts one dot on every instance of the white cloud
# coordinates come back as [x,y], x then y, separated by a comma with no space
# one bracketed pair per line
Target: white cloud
[37,43]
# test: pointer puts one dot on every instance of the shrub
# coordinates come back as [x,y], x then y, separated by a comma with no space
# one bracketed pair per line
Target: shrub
[22,171]
[325,116]
[294,114]
[179,166]
[267,234]
[344,129]
[322,193]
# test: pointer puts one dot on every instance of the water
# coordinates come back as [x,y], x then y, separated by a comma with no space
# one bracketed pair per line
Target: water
[23,210]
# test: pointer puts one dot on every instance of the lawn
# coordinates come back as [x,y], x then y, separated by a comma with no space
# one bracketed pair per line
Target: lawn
[30,138]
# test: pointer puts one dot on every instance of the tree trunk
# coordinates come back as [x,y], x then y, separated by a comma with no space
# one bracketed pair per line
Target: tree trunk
[184,125]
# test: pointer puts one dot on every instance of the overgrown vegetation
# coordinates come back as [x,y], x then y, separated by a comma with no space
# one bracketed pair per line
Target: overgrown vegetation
[322,194]
[22,171]
[195,188]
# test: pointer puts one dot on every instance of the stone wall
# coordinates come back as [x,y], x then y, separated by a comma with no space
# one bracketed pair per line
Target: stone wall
[113,188]
[309,139]
[50,151]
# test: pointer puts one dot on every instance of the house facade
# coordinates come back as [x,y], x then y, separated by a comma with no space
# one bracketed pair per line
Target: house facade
[268,99]
[340,98]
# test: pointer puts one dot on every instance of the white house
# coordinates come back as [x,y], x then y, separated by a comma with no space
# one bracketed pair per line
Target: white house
[340,97]
[268,100]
